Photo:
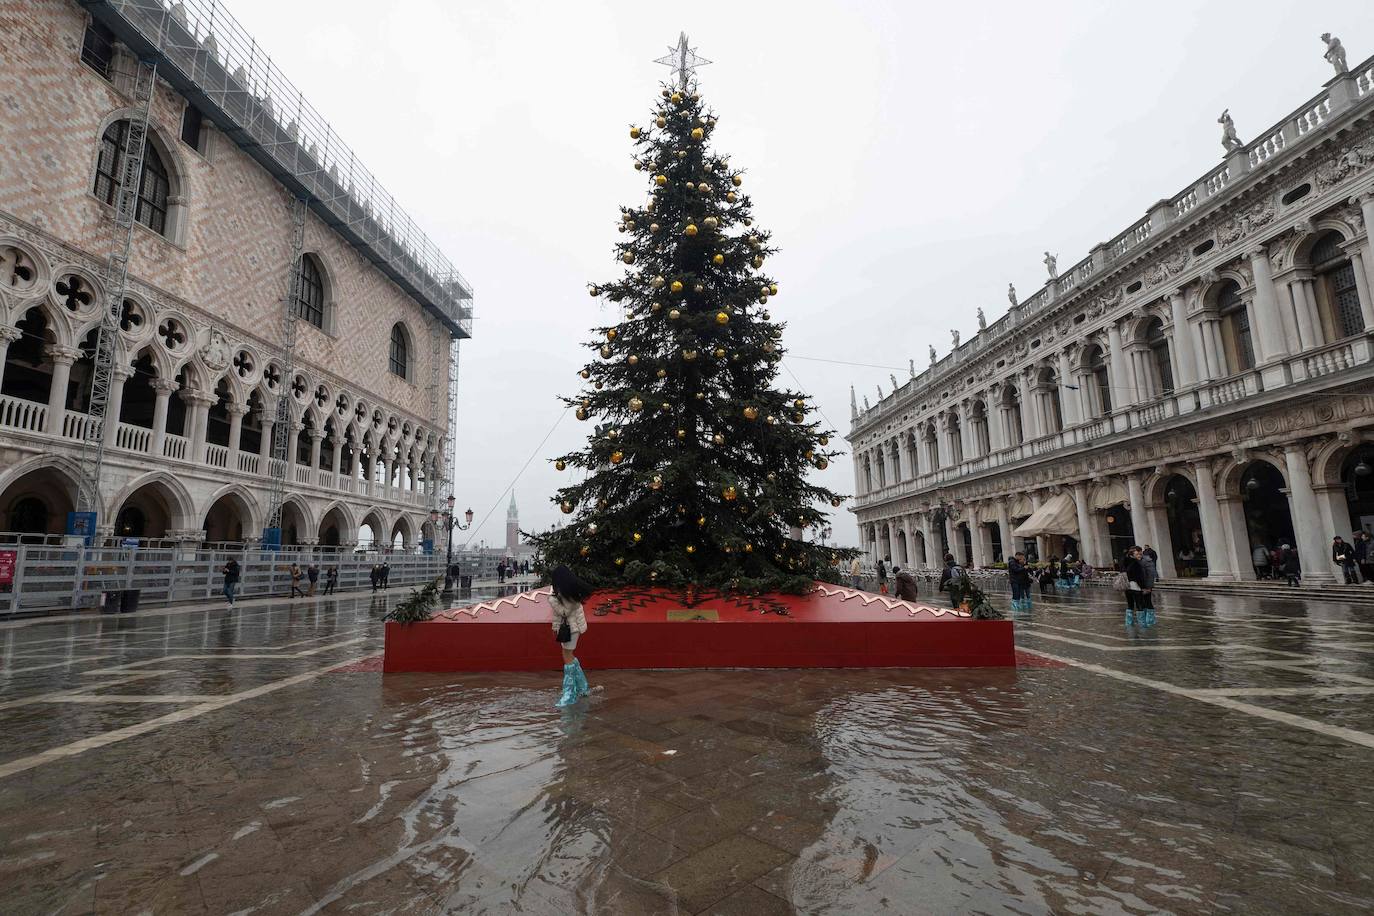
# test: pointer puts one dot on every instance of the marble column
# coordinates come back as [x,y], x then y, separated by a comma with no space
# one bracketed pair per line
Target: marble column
[1068,400]
[1030,419]
[1042,541]
[1009,545]
[1366,201]
[162,393]
[932,543]
[1268,323]
[1140,524]
[1087,549]
[1362,286]
[119,375]
[952,539]
[62,360]
[1305,312]
[1213,534]
[316,444]
[1314,550]
[265,446]
[1124,389]
[1161,540]
[7,334]
[336,458]
[236,412]
[1232,510]
[1182,346]
[975,530]
[293,439]
[198,410]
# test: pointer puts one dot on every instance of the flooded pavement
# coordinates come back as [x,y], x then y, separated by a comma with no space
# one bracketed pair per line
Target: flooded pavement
[209,761]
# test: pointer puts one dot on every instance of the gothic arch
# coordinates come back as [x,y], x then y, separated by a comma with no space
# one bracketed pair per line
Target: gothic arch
[179,504]
[178,188]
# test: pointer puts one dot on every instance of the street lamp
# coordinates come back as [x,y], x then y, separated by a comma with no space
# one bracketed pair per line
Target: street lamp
[451,524]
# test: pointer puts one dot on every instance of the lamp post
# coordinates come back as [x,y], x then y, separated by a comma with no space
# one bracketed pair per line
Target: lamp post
[450,523]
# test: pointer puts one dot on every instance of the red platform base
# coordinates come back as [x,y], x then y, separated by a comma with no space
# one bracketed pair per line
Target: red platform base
[654,628]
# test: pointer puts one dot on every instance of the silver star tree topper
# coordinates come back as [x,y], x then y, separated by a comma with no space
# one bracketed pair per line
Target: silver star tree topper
[684,60]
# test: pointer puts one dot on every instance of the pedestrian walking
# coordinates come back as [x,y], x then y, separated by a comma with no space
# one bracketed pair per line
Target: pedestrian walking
[1019,577]
[856,573]
[331,579]
[904,583]
[231,580]
[1150,566]
[882,575]
[501,571]
[1049,576]
[1344,556]
[569,623]
[1259,558]
[374,575]
[953,579]
[296,581]
[385,574]
[312,573]
[1290,564]
[1134,575]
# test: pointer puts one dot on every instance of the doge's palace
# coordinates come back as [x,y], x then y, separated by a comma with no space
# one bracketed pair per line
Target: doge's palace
[1203,382]
[199,362]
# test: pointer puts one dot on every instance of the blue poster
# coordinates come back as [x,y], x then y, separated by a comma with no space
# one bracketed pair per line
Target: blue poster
[82,524]
[427,545]
[271,539]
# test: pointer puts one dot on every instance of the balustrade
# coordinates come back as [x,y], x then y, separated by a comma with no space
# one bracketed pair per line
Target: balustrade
[74,424]
[21,414]
[248,462]
[175,446]
[133,438]
[216,456]
[1332,359]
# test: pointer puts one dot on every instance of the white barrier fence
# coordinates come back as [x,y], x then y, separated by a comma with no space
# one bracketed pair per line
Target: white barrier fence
[53,578]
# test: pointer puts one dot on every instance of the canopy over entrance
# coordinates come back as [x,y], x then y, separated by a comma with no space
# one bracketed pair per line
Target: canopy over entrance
[1056,515]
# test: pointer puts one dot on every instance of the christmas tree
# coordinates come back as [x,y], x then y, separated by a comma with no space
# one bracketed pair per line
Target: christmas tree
[698,468]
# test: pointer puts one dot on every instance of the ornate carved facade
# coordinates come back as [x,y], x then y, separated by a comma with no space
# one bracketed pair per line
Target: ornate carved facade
[1204,382]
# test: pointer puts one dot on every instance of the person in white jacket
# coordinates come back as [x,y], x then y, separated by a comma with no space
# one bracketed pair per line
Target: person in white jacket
[569,592]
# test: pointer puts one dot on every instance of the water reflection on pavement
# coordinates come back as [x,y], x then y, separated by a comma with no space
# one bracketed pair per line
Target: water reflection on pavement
[209,761]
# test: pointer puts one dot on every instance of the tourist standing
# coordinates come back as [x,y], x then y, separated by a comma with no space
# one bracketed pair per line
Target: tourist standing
[569,623]
[1344,556]
[312,573]
[373,575]
[1018,575]
[1364,556]
[231,580]
[1135,587]
[856,573]
[1259,558]
[1290,564]
[1151,570]
[882,575]
[1048,575]
[904,583]
[501,571]
[331,579]
[296,580]
[385,574]
[952,581]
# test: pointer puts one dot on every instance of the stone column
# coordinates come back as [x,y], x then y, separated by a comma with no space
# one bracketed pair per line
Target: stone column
[975,531]
[1030,420]
[952,539]
[1305,313]
[293,439]
[1182,346]
[7,334]
[385,464]
[1068,400]
[1362,286]
[1042,541]
[198,414]
[265,446]
[1232,510]
[119,375]
[236,412]
[336,460]
[1267,324]
[1213,535]
[316,442]
[1314,551]
[1124,393]
[62,360]
[1206,360]
[1009,546]
[1087,549]
[162,393]
[967,434]
[1140,524]
[1161,540]
[1366,201]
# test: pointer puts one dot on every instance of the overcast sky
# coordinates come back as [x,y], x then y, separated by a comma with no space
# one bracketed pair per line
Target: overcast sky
[911,159]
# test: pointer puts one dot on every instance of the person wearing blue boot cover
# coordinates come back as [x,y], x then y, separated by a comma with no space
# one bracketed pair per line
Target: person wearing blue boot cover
[569,622]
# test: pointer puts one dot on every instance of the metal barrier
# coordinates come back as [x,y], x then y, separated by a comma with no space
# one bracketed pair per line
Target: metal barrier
[54,578]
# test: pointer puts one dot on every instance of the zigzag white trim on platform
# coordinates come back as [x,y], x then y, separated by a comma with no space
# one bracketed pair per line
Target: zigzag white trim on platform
[495,606]
[890,604]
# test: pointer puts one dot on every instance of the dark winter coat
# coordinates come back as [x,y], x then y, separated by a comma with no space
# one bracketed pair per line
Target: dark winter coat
[1017,572]
[1289,562]
[1135,572]
[906,586]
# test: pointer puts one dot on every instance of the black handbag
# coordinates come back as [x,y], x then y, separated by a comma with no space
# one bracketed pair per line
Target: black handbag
[564,634]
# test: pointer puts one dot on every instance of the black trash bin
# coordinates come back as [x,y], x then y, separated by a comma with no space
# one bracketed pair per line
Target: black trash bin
[128,600]
[110,602]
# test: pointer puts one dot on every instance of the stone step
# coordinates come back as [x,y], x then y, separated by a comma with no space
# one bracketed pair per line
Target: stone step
[1348,594]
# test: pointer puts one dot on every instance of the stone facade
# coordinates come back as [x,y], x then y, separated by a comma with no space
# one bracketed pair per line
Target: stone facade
[202,326]
[1203,382]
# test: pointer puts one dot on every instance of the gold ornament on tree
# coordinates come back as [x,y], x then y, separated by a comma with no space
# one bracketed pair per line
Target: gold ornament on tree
[660,180]
[697,133]
[751,413]
[634,133]
[617,457]
[677,286]
[729,494]
[656,483]
[636,405]
[566,506]
[582,413]
[561,465]
[632,360]
[690,230]
[722,318]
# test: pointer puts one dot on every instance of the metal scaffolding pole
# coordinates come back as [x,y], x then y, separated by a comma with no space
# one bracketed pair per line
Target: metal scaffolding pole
[280,462]
[115,280]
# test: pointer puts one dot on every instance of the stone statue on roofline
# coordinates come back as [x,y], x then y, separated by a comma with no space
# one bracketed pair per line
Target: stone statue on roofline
[911,367]
[1335,53]
[895,386]
[1052,265]
[982,320]
[1229,139]
[1011,295]
[932,356]
[954,335]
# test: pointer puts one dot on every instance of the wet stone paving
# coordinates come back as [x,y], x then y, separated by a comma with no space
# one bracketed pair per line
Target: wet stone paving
[201,760]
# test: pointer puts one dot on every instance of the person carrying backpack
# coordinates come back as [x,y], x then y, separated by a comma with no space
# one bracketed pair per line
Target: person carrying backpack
[953,579]
[904,584]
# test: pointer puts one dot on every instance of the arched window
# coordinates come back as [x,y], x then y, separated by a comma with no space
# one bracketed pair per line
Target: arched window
[154,184]
[1235,323]
[1011,404]
[1158,343]
[932,448]
[978,426]
[1102,380]
[310,292]
[400,351]
[956,438]
[1337,293]
[1052,405]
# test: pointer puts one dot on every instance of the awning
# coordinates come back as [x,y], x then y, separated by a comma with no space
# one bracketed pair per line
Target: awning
[1021,506]
[1057,515]
[1110,494]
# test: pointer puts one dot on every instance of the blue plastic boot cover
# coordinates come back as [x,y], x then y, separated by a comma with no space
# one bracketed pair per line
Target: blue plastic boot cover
[1130,619]
[583,688]
[570,692]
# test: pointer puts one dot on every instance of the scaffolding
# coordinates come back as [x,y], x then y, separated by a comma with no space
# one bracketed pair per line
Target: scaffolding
[208,57]
[115,280]
[280,462]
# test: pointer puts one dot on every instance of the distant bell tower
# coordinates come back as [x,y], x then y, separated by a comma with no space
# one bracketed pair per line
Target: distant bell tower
[512,528]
